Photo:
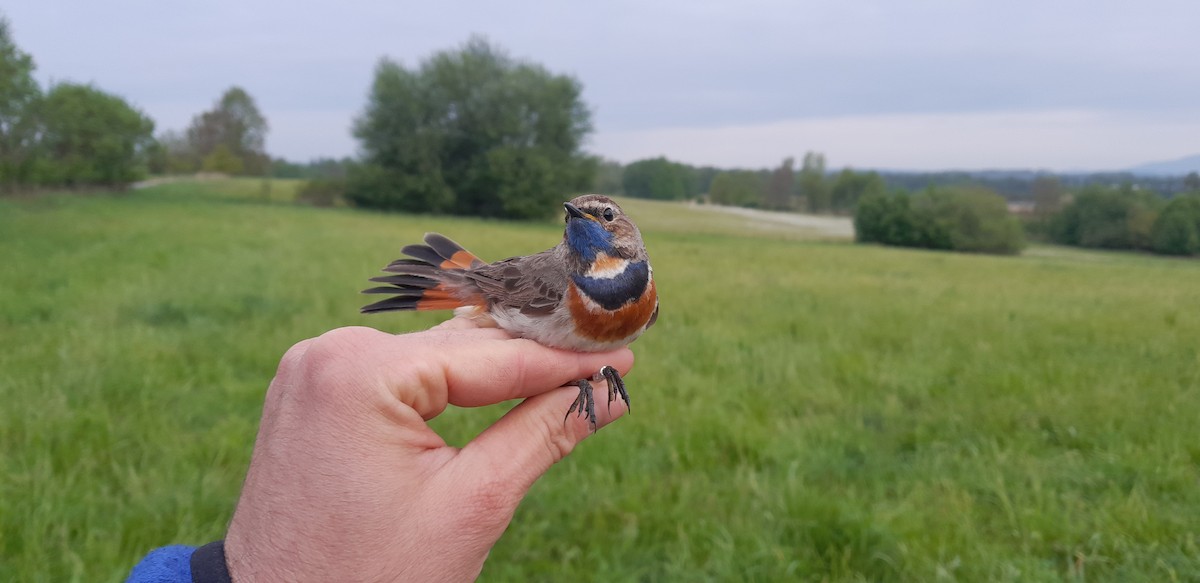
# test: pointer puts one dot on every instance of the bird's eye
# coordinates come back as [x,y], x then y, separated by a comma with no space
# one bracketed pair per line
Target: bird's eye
[608,214]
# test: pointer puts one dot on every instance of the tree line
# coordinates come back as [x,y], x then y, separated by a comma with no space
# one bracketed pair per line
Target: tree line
[1123,217]
[1098,216]
[809,188]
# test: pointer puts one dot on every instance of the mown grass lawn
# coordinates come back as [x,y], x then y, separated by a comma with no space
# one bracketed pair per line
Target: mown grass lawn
[804,410]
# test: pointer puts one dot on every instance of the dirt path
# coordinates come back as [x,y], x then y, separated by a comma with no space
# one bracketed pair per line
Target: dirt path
[827,226]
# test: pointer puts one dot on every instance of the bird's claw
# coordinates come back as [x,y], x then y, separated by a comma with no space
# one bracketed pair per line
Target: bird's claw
[585,402]
[616,386]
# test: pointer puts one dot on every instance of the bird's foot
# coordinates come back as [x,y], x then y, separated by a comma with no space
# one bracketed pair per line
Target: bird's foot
[585,402]
[616,386]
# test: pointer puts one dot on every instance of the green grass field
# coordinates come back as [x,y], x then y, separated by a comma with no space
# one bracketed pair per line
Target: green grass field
[804,410]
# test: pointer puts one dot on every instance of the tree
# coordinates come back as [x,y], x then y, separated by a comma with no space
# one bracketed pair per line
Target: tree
[972,220]
[781,186]
[223,160]
[19,94]
[975,218]
[472,131]
[91,138]
[657,178]
[737,188]
[888,219]
[701,179]
[814,188]
[609,174]
[235,123]
[1109,218]
[1177,229]
[850,186]
[171,154]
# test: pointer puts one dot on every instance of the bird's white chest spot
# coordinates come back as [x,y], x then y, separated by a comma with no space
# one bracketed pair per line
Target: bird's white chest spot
[607,267]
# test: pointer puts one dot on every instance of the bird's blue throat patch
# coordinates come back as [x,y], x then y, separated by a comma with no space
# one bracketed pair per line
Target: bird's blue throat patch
[612,293]
[587,238]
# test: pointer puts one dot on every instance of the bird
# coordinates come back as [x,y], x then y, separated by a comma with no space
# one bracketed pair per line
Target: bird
[592,292]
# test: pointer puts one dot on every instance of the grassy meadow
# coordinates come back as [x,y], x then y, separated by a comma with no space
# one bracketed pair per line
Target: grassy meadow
[803,410]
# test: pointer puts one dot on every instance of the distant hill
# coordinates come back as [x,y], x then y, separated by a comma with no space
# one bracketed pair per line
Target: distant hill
[1017,185]
[1178,167]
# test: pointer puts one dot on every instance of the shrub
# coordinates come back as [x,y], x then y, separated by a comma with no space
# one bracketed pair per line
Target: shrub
[1177,229]
[975,221]
[1107,218]
[322,192]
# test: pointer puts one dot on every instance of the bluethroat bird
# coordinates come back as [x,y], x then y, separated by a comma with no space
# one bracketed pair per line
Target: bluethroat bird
[593,292]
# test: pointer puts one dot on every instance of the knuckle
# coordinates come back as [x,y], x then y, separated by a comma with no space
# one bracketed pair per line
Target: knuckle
[328,368]
[286,373]
[333,347]
[293,357]
[433,397]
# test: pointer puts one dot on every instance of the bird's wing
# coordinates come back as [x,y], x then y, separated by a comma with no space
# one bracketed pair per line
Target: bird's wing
[533,284]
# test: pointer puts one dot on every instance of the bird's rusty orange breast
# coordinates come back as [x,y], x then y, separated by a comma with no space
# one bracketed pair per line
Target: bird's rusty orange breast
[596,323]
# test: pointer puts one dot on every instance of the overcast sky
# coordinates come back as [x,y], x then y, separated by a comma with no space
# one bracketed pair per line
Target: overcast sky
[1061,85]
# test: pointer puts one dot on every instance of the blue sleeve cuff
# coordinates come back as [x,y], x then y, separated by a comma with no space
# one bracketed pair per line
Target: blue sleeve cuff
[164,565]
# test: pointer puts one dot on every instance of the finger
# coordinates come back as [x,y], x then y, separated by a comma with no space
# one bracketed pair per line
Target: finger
[533,436]
[488,372]
[427,370]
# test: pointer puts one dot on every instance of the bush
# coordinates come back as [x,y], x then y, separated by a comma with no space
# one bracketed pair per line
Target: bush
[374,186]
[222,160]
[1107,218]
[890,220]
[975,221]
[1177,229]
[322,192]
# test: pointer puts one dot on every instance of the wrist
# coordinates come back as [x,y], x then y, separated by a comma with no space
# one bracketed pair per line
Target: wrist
[208,564]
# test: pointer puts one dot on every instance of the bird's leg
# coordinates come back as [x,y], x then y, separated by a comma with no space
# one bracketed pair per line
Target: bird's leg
[584,403]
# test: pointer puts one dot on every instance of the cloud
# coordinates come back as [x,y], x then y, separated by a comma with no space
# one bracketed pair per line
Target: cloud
[793,75]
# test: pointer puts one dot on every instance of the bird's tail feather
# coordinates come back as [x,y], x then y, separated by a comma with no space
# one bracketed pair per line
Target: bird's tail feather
[434,279]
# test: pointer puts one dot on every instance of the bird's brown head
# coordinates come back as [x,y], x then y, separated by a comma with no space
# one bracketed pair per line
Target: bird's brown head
[595,224]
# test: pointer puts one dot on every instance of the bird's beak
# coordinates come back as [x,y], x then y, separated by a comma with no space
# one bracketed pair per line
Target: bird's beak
[574,211]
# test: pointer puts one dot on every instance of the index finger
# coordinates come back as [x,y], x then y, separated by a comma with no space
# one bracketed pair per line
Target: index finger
[494,370]
[468,368]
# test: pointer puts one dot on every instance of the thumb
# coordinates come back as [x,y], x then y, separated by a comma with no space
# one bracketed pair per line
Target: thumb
[533,436]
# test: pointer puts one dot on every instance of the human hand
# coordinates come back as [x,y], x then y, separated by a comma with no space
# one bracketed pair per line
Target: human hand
[347,482]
